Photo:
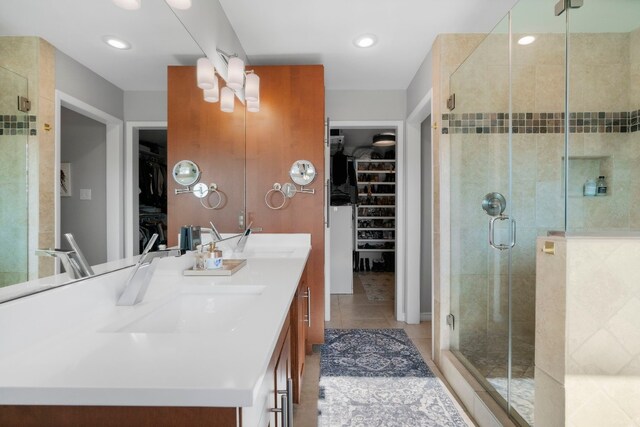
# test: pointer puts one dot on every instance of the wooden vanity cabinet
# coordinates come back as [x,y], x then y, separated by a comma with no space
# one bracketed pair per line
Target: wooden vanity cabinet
[299,325]
[284,375]
[280,368]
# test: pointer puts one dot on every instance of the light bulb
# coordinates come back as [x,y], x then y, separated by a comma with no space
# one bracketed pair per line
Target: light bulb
[226,100]
[252,87]
[206,74]
[235,76]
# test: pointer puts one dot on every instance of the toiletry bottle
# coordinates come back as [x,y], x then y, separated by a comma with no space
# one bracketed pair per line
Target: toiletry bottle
[215,258]
[601,189]
[590,188]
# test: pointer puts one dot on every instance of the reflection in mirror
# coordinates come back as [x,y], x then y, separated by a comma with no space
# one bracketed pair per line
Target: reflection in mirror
[302,172]
[186,173]
[40,55]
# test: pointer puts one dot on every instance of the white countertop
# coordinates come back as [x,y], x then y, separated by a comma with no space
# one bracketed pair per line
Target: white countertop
[63,347]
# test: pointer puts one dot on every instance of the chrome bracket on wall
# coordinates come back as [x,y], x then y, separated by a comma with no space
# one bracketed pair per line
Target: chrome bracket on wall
[451,102]
[24,104]
[563,5]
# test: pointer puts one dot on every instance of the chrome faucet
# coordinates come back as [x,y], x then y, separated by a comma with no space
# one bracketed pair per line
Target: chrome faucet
[138,281]
[245,237]
[73,261]
[215,233]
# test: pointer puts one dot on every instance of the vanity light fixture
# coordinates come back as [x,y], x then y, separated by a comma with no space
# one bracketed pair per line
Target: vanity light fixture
[237,80]
[385,139]
[523,41]
[365,40]
[116,42]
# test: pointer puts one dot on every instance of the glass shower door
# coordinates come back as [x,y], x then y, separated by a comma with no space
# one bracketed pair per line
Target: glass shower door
[14,130]
[482,223]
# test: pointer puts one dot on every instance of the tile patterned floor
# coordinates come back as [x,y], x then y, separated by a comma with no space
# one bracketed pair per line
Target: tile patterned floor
[356,311]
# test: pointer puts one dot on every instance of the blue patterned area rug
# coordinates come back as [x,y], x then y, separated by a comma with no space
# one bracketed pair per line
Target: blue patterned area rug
[376,377]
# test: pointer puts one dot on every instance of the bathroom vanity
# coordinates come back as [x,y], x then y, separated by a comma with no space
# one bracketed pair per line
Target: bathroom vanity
[214,351]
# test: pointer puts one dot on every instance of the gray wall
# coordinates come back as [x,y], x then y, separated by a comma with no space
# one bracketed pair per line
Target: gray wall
[145,106]
[426,237]
[76,80]
[84,145]
[420,84]
[363,105]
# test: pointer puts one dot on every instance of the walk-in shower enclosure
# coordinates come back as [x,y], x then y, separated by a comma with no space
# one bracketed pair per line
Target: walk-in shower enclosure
[536,122]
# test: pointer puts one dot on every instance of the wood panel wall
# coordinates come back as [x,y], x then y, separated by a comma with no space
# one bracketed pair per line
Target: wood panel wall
[289,127]
[214,140]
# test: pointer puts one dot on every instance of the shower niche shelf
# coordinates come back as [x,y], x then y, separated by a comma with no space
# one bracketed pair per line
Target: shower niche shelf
[582,168]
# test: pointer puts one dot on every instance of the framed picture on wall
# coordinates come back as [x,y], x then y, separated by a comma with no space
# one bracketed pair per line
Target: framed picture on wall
[65,179]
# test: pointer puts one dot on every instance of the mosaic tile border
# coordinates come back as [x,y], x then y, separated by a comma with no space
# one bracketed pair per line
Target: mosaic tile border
[21,124]
[579,122]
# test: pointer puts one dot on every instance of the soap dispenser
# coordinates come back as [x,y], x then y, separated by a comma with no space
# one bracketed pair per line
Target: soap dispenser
[601,186]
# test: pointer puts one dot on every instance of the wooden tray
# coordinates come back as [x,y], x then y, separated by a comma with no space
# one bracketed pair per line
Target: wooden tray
[229,266]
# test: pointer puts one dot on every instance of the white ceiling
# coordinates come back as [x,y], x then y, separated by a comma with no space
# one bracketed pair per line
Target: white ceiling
[322,32]
[271,32]
[76,28]
[282,32]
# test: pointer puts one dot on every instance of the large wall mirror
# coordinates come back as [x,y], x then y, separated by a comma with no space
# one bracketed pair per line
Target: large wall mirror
[52,48]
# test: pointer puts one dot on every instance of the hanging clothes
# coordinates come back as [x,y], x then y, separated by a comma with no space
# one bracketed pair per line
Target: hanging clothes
[339,168]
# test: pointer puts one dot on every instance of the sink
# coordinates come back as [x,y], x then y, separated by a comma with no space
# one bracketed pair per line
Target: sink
[267,253]
[216,309]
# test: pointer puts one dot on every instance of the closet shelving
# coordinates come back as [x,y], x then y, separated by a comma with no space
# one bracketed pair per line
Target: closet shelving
[376,210]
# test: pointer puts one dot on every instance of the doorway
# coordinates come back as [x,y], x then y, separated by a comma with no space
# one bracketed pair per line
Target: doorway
[363,213]
[152,187]
[83,191]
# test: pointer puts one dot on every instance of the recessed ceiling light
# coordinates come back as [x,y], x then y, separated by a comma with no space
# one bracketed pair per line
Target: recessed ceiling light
[179,4]
[117,43]
[128,4]
[365,40]
[526,40]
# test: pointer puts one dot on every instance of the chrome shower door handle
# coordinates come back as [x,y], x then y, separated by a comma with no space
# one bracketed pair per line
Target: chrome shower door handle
[492,231]
[513,232]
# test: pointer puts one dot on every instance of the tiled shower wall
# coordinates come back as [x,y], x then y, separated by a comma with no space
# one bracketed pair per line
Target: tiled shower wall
[604,140]
[34,59]
[13,181]
[588,343]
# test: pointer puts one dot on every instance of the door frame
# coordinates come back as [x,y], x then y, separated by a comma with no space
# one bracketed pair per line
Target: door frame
[131,214]
[423,109]
[402,291]
[115,199]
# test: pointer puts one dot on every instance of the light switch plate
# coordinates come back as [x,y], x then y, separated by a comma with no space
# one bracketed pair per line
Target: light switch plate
[85,194]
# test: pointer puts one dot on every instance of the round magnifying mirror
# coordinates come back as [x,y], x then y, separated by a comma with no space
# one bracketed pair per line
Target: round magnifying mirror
[186,173]
[302,172]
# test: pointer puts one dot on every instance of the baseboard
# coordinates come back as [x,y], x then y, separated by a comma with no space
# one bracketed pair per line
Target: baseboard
[425,317]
